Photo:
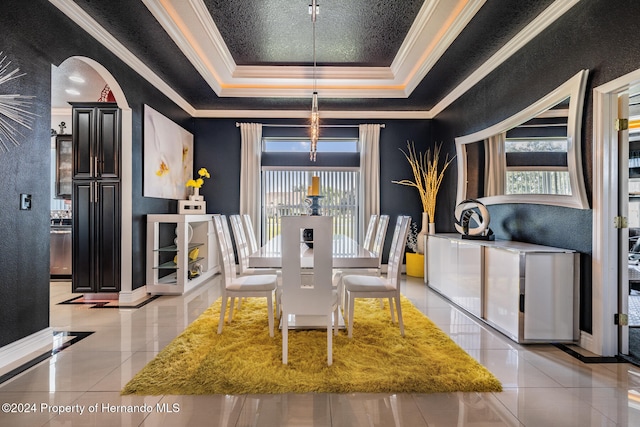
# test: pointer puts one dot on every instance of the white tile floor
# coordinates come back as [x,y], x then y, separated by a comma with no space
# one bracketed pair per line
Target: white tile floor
[543,386]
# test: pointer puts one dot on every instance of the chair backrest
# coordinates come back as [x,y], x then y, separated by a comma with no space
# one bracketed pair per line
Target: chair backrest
[241,242]
[226,248]
[394,263]
[250,233]
[381,233]
[308,292]
[371,229]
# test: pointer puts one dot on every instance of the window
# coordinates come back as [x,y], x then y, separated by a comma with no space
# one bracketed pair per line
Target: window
[537,166]
[286,176]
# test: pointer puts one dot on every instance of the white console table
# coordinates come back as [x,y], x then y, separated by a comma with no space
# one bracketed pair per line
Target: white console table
[171,238]
[528,292]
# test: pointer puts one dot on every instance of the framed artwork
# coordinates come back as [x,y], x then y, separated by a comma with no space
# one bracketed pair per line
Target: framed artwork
[168,157]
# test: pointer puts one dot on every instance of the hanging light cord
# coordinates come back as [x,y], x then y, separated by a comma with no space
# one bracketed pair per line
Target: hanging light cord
[314,127]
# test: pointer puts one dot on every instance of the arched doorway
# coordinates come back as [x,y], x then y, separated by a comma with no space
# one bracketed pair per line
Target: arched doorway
[126,294]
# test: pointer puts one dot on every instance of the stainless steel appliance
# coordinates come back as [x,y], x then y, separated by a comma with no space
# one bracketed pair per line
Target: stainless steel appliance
[60,252]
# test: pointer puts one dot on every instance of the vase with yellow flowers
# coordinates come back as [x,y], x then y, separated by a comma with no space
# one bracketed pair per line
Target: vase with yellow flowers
[196,184]
[428,172]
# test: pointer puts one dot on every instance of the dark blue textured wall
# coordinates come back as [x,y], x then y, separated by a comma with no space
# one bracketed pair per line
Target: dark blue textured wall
[36,35]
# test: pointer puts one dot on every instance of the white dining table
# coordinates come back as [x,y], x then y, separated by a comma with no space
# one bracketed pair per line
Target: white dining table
[347,253]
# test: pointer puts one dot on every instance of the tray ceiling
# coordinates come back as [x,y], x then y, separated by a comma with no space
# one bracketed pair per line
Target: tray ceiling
[226,58]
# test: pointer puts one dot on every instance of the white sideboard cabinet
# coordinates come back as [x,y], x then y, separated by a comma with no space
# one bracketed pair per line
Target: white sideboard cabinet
[181,252]
[526,291]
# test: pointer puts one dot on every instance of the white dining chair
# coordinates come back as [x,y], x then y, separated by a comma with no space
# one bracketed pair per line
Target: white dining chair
[239,287]
[377,246]
[371,229]
[308,293]
[250,233]
[242,249]
[363,286]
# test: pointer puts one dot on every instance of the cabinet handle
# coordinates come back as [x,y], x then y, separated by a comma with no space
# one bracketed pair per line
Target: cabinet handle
[95,166]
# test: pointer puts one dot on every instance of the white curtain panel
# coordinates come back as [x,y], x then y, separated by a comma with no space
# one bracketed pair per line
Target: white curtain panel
[496,165]
[369,141]
[250,152]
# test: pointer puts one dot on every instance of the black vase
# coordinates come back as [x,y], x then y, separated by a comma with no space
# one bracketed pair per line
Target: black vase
[307,236]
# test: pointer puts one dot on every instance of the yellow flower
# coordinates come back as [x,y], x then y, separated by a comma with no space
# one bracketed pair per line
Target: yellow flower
[197,183]
[204,173]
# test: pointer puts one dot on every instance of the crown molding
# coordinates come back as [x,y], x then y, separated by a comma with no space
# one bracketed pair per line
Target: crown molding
[303,114]
[87,23]
[61,111]
[379,82]
[535,27]
[426,43]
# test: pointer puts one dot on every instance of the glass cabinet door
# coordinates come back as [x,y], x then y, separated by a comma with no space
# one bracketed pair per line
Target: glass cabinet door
[64,165]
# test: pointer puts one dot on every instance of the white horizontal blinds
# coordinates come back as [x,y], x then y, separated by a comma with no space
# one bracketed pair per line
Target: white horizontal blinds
[284,192]
[538,182]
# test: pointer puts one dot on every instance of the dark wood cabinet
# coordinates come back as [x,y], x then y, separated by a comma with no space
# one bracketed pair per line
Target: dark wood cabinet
[96,141]
[96,236]
[96,198]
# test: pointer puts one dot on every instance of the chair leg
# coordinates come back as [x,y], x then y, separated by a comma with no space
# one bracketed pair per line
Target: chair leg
[329,341]
[393,317]
[231,310]
[336,318]
[350,299]
[270,308]
[285,339]
[399,310]
[223,308]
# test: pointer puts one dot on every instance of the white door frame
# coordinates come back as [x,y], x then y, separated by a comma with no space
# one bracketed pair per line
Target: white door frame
[605,256]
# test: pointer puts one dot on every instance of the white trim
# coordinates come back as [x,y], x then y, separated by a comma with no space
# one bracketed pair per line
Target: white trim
[535,27]
[26,346]
[87,23]
[301,114]
[605,256]
[129,297]
[412,67]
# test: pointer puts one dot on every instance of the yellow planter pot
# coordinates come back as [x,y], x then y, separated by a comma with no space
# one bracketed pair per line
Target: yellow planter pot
[415,264]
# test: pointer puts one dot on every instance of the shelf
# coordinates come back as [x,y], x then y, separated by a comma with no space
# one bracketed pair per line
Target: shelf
[169,265]
[169,279]
[174,248]
[172,261]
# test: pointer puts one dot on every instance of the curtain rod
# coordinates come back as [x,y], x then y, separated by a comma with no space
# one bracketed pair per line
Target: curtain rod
[273,125]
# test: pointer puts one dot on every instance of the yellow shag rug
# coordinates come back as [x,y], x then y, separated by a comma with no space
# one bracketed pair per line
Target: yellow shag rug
[245,360]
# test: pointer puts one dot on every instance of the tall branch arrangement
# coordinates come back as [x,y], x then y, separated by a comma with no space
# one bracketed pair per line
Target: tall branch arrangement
[427,174]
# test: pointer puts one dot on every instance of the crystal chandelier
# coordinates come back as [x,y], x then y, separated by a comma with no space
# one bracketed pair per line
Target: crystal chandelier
[314,125]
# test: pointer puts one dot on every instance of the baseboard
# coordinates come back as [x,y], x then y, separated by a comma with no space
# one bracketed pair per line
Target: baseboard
[586,342]
[26,346]
[127,297]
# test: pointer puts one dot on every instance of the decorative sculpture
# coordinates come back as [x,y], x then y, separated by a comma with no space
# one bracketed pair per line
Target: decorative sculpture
[470,212]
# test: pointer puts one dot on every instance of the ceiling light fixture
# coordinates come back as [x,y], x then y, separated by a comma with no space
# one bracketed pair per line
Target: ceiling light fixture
[76,79]
[314,126]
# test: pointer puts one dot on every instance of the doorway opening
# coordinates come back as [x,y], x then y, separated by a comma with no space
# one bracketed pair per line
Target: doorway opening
[613,245]
[59,111]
